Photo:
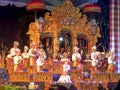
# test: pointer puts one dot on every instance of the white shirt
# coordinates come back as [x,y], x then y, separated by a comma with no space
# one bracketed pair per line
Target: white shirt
[31,52]
[40,61]
[76,56]
[66,67]
[94,54]
[87,60]
[13,51]
[55,60]
[25,55]
[64,79]
[95,62]
[64,59]
[16,59]
[110,60]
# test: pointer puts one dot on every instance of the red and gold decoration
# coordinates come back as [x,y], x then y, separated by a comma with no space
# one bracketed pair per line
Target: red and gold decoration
[91,8]
[36,27]
[35,5]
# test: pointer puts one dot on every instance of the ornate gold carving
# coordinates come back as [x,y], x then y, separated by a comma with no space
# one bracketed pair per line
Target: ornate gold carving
[66,17]
[19,77]
[34,34]
[70,18]
[57,68]
[43,77]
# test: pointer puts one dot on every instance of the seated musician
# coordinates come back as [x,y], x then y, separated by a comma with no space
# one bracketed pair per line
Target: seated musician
[101,62]
[87,61]
[55,57]
[65,57]
[64,78]
[41,61]
[14,48]
[25,56]
[17,61]
[111,62]
[12,53]
[33,54]
[94,64]
[60,53]
[94,52]
[66,66]
[87,58]
[76,57]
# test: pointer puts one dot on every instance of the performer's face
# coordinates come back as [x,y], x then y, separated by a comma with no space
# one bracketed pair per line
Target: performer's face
[93,50]
[33,46]
[76,51]
[25,50]
[18,53]
[15,45]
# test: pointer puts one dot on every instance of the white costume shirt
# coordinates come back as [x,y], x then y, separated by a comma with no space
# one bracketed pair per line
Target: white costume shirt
[40,61]
[94,54]
[95,62]
[64,59]
[76,56]
[16,59]
[87,60]
[55,60]
[13,51]
[66,67]
[31,52]
[110,60]
[25,55]
[64,79]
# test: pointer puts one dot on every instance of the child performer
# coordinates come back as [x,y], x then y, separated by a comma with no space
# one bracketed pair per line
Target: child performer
[40,61]
[17,61]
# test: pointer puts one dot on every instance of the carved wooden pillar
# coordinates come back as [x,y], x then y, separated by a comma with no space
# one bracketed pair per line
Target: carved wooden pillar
[74,40]
[56,43]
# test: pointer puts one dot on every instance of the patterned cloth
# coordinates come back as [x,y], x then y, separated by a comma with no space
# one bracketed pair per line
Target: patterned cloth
[115,29]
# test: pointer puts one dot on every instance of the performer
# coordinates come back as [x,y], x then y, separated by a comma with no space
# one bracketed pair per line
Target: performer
[94,52]
[64,78]
[88,61]
[25,56]
[65,58]
[14,48]
[40,49]
[111,62]
[87,58]
[60,53]
[76,57]
[17,61]
[55,58]
[40,61]
[94,58]
[94,64]
[66,66]
[33,54]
